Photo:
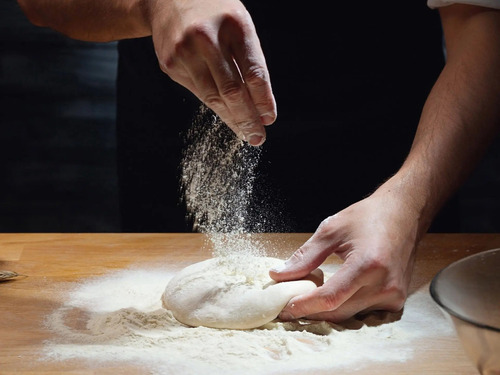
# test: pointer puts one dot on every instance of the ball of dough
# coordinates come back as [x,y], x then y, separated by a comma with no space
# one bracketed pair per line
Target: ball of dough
[235,293]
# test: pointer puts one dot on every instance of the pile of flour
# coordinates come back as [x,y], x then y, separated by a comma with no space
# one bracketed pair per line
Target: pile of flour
[118,318]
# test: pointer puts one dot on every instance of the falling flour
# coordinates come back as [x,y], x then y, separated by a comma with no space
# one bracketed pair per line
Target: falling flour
[118,319]
[218,173]
[217,176]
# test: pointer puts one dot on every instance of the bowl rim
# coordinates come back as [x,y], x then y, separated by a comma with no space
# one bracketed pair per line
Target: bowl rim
[435,297]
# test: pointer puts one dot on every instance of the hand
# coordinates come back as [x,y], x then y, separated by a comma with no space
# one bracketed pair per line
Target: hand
[376,238]
[212,48]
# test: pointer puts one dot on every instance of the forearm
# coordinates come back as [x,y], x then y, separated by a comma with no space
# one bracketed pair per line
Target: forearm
[91,20]
[460,117]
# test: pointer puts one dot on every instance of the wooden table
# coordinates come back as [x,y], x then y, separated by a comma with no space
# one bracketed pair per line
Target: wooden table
[51,259]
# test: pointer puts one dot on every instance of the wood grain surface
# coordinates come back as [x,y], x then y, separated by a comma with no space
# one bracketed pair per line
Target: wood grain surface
[51,260]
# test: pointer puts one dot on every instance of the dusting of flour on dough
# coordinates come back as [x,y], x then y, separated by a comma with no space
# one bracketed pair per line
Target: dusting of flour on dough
[117,318]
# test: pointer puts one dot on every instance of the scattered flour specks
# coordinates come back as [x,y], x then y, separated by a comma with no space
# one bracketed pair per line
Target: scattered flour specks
[118,318]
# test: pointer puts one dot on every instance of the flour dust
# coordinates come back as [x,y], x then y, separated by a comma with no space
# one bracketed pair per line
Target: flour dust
[218,173]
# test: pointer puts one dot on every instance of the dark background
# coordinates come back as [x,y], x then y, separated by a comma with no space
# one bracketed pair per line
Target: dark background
[57,141]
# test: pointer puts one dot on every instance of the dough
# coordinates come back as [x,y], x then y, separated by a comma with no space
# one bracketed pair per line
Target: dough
[235,293]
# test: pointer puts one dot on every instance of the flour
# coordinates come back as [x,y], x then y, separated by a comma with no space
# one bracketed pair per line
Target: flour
[118,319]
[218,174]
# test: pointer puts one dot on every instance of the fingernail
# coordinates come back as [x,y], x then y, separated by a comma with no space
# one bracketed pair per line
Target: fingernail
[267,118]
[255,139]
[285,315]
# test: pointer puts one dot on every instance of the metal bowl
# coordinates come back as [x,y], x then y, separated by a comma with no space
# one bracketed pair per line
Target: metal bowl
[468,291]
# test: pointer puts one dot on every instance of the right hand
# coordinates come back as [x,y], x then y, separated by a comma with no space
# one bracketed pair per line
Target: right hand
[212,49]
[376,237]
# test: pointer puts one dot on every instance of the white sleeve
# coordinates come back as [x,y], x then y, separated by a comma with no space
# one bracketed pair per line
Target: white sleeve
[483,3]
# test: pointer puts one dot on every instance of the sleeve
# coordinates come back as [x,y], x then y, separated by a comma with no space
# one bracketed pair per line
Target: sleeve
[484,3]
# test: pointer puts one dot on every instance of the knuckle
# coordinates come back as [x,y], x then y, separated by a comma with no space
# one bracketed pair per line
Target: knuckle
[326,228]
[232,92]
[163,67]
[376,265]
[238,19]
[179,48]
[167,64]
[165,57]
[198,31]
[213,101]
[328,302]
[298,256]
[324,225]
[396,297]
[245,126]
[195,34]
[169,58]
[256,76]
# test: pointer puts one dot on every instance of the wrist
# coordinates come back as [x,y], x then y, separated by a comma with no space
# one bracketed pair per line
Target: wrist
[416,200]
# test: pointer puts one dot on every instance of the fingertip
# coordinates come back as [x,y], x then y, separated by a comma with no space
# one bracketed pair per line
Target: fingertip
[279,268]
[268,118]
[256,139]
[299,307]
[280,273]
[287,313]
[276,276]
[286,316]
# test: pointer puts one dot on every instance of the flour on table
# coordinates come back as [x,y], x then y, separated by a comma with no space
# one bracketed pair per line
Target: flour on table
[118,319]
[230,292]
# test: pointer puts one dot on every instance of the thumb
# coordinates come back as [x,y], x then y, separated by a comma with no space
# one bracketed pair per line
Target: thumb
[305,260]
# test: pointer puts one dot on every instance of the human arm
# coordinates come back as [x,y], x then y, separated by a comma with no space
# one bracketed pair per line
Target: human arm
[377,236]
[210,47]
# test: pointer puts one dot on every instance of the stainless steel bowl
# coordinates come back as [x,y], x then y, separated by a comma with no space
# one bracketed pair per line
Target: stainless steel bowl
[468,291]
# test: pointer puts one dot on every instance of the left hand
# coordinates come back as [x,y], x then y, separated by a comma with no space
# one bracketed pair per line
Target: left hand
[376,237]
[212,49]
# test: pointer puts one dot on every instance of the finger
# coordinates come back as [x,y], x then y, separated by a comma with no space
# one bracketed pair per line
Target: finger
[204,87]
[302,262]
[360,302]
[329,297]
[364,301]
[346,294]
[188,69]
[242,115]
[308,257]
[250,60]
